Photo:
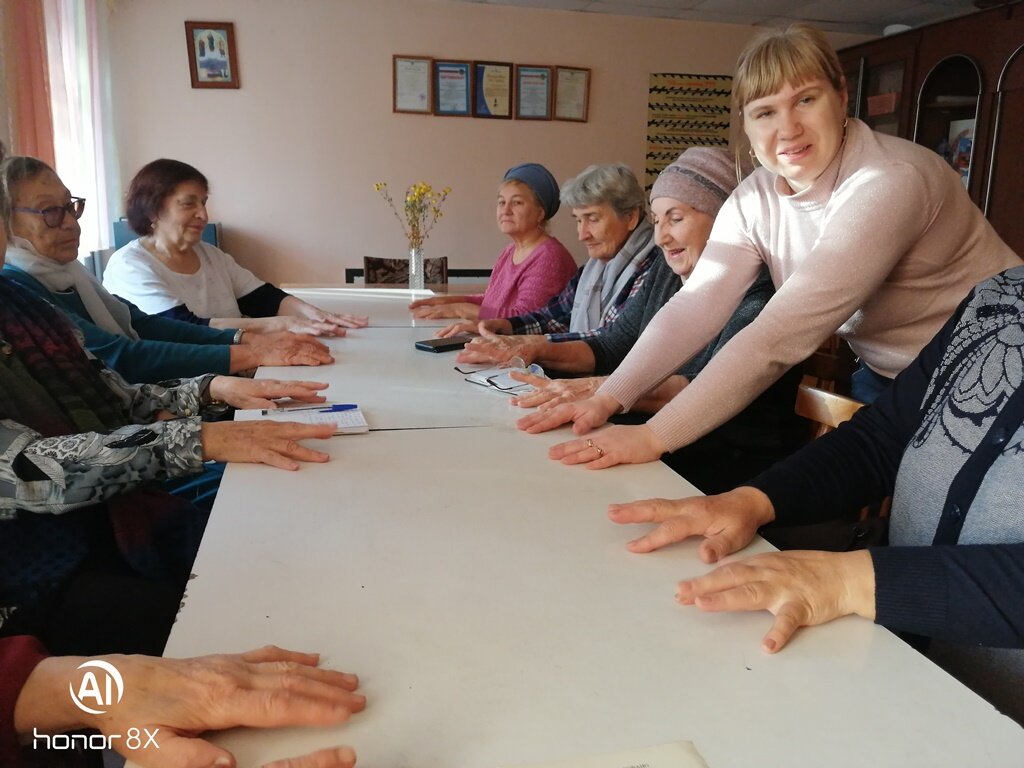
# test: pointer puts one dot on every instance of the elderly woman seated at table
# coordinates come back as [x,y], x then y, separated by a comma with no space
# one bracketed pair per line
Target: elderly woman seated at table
[944,440]
[42,257]
[685,199]
[80,449]
[608,205]
[532,269]
[170,271]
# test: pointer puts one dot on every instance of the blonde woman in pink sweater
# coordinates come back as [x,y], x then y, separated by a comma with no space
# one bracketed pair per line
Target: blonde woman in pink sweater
[865,235]
[532,269]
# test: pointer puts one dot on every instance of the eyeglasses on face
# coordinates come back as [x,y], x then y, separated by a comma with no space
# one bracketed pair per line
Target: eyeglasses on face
[53,216]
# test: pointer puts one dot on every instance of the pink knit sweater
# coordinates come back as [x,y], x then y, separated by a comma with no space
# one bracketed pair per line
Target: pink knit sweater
[515,289]
[880,249]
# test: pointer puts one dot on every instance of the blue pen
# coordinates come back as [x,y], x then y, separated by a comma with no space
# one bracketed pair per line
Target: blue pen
[333,408]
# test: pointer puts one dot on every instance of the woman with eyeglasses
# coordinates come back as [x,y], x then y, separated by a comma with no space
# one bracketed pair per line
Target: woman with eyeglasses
[42,257]
[170,271]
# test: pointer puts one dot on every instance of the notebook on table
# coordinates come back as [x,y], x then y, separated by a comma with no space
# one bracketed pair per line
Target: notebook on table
[347,418]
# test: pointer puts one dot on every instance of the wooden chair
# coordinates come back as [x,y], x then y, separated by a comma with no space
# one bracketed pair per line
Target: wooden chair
[378,270]
[828,410]
[831,366]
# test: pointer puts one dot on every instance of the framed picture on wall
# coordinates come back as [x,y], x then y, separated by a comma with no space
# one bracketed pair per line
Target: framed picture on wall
[572,93]
[212,56]
[453,88]
[533,92]
[411,78]
[492,96]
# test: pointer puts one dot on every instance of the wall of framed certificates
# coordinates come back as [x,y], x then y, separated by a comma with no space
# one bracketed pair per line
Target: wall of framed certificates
[489,89]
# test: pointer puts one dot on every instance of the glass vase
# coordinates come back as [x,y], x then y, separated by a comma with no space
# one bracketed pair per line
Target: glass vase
[416,281]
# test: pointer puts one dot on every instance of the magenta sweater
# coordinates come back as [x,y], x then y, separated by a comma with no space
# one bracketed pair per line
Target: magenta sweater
[880,249]
[515,289]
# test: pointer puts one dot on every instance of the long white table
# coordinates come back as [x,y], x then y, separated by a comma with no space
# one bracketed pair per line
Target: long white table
[386,307]
[400,387]
[495,617]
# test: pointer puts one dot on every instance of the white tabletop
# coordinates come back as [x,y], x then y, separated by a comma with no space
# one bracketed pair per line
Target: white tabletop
[494,616]
[400,387]
[386,307]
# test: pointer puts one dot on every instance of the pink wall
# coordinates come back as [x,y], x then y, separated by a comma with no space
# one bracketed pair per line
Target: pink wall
[292,156]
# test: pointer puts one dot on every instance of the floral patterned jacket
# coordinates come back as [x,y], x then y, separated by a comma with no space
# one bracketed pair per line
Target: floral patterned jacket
[57,474]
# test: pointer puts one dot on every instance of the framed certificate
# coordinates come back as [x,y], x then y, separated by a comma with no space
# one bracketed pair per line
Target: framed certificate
[533,92]
[572,93]
[411,79]
[492,96]
[453,88]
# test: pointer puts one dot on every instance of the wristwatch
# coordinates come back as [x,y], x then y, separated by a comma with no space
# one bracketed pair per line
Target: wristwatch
[238,336]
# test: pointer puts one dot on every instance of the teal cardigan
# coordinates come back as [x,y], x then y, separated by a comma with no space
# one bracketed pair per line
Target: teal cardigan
[166,349]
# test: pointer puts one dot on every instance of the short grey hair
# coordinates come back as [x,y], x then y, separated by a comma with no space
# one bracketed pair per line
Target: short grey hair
[14,171]
[612,183]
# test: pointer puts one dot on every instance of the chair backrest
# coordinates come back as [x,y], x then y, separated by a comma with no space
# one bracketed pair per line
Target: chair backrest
[827,409]
[831,366]
[391,271]
[124,234]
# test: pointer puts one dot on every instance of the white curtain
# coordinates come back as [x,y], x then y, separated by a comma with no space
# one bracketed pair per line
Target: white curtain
[84,147]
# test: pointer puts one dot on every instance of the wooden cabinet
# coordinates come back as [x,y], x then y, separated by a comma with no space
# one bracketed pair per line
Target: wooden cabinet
[962,94]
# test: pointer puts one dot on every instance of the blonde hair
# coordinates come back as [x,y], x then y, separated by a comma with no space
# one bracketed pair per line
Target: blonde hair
[791,56]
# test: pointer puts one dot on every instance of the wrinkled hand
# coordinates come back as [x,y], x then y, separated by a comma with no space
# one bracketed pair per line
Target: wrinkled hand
[489,347]
[615,445]
[464,309]
[801,589]
[455,329]
[288,349]
[551,392]
[586,414]
[337,321]
[261,393]
[178,699]
[494,325]
[434,301]
[263,442]
[728,521]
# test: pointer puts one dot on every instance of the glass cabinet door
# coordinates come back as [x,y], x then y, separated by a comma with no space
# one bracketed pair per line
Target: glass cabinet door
[947,108]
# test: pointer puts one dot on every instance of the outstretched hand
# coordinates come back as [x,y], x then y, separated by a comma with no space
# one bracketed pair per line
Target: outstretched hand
[176,700]
[548,393]
[727,521]
[264,442]
[241,392]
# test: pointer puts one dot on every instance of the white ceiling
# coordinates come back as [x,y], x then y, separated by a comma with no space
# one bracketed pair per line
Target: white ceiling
[867,17]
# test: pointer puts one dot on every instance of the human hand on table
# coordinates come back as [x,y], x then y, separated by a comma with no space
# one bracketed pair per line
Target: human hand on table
[494,325]
[585,414]
[615,445]
[727,521]
[286,349]
[339,320]
[263,442]
[176,700]
[490,348]
[551,392]
[444,306]
[799,588]
[261,393]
